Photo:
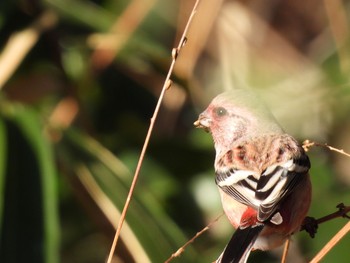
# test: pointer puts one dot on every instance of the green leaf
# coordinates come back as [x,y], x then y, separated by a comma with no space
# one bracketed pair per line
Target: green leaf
[30,219]
[89,14]
[149,230]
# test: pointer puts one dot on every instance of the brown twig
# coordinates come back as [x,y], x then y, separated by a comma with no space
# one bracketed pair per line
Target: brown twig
[182,249]
[342,212]
[166,86]
[310,224]
[342,232]
[308,144]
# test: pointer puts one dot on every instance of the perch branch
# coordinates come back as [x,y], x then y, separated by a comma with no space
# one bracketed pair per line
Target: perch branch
[310,224]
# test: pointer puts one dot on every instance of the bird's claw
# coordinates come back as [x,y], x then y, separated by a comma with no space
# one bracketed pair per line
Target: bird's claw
[310,225]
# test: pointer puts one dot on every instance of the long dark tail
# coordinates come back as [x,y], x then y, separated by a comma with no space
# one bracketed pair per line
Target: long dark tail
[238,248]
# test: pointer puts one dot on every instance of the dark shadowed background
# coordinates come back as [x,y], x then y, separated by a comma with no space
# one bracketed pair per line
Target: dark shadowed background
[79,80]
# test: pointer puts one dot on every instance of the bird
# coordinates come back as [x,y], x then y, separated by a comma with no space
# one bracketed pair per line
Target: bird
[262,173]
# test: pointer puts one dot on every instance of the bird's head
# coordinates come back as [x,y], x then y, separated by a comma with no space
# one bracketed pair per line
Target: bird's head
[234,115]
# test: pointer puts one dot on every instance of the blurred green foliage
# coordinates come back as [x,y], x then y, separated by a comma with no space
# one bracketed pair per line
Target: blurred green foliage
[73,119]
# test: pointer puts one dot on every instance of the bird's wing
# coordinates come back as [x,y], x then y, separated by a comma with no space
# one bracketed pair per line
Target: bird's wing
[264,192]
[277,182]
[239,184]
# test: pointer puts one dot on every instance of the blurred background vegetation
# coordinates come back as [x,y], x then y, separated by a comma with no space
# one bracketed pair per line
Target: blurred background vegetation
[79,81]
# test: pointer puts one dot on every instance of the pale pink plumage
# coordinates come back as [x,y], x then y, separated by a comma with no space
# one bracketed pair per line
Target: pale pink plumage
[261,172]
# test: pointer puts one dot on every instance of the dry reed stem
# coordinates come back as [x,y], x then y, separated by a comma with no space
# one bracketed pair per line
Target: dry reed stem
[200,31]
[166,86]
[110,212]
[64,113]
[342,232]
[285,251]
[20,43]
[61,117]
[108,45]
[182,249]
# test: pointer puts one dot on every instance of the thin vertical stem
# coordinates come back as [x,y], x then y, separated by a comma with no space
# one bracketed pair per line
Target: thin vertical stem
[166,86]
[285,251]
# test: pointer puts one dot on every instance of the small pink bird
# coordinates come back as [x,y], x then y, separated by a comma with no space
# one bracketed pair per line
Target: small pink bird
[261,172]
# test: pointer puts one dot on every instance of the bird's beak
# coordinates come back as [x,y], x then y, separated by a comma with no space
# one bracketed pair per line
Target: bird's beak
[203,122]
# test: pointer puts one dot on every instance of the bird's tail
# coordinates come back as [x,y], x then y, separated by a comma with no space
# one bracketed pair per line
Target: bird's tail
[238,248]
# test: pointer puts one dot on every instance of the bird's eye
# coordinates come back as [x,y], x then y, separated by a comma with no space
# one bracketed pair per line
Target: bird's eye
[220,111]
